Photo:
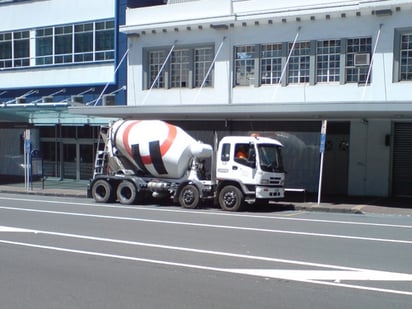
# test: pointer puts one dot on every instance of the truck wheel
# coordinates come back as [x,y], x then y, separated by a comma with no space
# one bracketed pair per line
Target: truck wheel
[126,193]
[102,191]
[230,198]
[189,196]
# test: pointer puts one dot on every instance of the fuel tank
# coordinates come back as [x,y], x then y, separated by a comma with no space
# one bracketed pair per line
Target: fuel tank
[156,147]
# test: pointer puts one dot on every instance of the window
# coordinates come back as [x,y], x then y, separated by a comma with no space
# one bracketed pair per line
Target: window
[270,158]
[86,42]
[185,68]
[105,40]
[83,42]
[299,63]
[225,155]
[44,46]
[328,61]
[356,72]
[15,49]
[203,58]
[179,66]
[406,57]
[270,63]
[156,60]
[5,50]
[245,65]
[21,49]
[63,44]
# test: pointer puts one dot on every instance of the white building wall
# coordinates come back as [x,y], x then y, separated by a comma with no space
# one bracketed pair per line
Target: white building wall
[31,15]
[380,89]
[41,13]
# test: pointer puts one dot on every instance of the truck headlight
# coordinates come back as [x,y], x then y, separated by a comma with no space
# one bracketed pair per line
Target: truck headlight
[265,181]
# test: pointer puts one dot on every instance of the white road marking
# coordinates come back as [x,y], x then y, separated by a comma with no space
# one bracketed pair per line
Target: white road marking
[207,268]
[201,212]
[215,226]
[327,275]
[7,229]
[192,250]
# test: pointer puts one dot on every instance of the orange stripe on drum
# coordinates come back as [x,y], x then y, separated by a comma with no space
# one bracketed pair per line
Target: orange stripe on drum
[165,146]
[126,136]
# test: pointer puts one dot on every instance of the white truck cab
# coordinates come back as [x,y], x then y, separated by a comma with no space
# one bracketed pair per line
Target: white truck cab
[253,165]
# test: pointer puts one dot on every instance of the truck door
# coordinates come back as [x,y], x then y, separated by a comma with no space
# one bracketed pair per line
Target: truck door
[238,162]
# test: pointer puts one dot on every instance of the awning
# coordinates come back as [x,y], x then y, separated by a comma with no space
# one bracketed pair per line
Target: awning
[270,111]
[46,114]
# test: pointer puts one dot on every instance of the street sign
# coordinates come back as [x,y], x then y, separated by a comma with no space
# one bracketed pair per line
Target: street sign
[323,135]
[322,153]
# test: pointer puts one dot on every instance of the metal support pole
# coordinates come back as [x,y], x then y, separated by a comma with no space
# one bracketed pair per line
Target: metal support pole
[115,71]
[371,63]
[282,75]
[210,68]
[322,153]
[160,71]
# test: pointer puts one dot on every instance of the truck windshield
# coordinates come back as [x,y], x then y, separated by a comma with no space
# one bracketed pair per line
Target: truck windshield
[270,158]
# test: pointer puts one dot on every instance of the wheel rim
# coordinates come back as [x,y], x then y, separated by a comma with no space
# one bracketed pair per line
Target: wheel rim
[188,197]
[230,199]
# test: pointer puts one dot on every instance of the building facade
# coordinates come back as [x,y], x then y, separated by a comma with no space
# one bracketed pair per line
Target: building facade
[279,68]
[55,54]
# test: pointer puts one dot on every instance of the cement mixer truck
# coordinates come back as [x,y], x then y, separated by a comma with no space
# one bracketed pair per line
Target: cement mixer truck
[141,159]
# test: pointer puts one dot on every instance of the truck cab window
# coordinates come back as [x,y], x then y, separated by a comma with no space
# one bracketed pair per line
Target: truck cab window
[225,155]
[245,154]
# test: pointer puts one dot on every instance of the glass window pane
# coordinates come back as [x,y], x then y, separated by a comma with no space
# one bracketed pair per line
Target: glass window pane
[406,57]
[245,58]
[357,72]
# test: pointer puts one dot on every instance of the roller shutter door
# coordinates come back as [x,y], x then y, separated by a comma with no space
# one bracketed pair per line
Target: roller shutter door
[402,160]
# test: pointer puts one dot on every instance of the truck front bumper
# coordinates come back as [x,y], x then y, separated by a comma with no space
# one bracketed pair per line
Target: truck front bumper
[263,192]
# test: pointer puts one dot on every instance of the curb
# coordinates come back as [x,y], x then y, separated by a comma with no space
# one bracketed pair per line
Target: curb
[323,208]
[62,194]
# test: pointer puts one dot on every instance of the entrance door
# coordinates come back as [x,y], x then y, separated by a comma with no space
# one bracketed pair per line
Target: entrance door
[335,169]
[70,161]
[78,160]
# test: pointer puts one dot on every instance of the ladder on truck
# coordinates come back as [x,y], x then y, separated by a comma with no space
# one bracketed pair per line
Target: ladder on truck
[100,163]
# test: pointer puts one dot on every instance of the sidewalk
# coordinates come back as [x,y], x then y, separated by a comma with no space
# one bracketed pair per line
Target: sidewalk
[354,205]
[50,187]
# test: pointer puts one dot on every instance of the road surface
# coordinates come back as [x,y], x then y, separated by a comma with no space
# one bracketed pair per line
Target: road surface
[73,253]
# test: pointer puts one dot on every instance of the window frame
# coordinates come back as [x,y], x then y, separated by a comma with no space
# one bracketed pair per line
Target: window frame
[44,49]
[31,48]
[328,52]
[397,58]
[351,69]
[15,49]
[300,59]
[182,69]
[246,65]
[271,63]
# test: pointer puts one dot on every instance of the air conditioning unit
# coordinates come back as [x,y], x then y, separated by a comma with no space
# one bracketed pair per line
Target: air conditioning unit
[108,99]
[21,100]
[47,99]
[77,99]
[362,59]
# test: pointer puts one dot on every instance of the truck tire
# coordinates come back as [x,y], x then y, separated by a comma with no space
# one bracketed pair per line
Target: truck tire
[189,196]
[230,198]
[126,193]
[102,191]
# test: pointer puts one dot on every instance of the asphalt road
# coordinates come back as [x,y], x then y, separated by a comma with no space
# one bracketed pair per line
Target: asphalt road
[72,253]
